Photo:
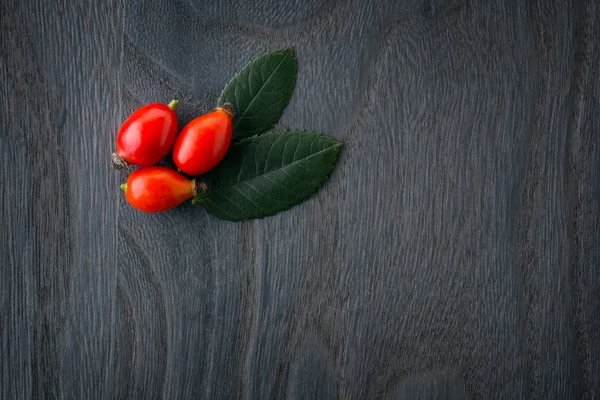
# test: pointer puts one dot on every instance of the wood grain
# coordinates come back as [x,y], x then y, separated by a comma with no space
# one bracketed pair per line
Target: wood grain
[453,253]
[59,102]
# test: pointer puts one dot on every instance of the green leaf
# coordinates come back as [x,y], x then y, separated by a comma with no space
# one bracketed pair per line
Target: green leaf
[265,174]
[260,92]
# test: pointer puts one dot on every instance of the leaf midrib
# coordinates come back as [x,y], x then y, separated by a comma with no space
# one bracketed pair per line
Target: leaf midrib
[260,90]
[202,196]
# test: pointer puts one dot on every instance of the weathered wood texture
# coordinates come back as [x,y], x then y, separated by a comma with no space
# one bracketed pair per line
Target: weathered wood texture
[454,252]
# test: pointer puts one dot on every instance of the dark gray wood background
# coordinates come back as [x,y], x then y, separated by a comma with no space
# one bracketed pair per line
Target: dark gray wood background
[453,253]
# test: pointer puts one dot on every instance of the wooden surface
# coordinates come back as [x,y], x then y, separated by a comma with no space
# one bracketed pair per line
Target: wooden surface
[454,252]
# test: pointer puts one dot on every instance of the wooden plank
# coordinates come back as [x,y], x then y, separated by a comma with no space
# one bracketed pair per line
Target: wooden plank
[452,254]
[60,109]
[416,256]
[555,247]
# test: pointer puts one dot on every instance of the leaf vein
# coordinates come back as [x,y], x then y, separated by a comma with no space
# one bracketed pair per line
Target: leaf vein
[260,90]
[283,169]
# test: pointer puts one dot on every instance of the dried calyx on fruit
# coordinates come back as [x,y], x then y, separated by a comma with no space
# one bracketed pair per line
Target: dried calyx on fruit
[147,136]
[157,188]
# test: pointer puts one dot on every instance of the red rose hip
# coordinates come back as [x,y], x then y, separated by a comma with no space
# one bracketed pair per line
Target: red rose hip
[156,189]
[203,142]
[146,136]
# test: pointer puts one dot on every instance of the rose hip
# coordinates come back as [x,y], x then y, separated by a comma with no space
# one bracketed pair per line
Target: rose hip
[203,142]
[146,136]
[157,188]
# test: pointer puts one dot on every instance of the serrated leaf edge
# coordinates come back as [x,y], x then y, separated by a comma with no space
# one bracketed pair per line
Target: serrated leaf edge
[311,194]
[337,145]
[289,50]
[279,131]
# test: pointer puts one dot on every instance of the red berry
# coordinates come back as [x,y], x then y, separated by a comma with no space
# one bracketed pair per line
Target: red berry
[203,142]
[146,136]
[155,189]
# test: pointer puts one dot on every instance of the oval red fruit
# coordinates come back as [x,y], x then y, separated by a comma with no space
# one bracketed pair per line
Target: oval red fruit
[146,136]
[203,142]
[155,189]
